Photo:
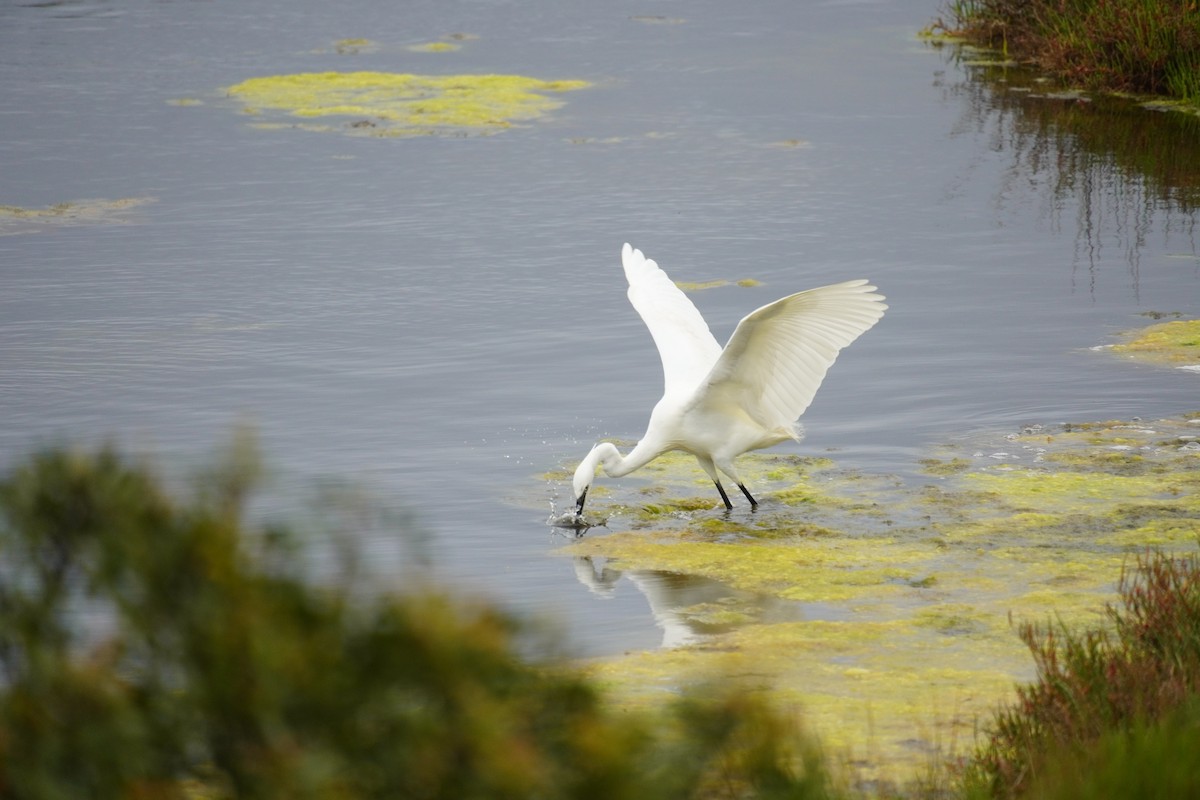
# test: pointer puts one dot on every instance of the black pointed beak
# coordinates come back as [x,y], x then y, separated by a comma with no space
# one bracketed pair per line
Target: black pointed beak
[579,503]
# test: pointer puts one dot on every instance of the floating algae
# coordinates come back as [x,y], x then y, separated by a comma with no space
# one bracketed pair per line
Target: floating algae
[394,104]
[793,144]
[690,286]
[16,219]
[434,47]
[354,46]
[910,588]
[1175,344]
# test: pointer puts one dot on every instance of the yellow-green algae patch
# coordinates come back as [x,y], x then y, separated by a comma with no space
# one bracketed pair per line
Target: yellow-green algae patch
[434,47]
[690,286]
[396,104]
[866,571]
[895,598]
[1079,492]
[1175,343]
[693,286]
[793,144]
[355,46]
[17,219]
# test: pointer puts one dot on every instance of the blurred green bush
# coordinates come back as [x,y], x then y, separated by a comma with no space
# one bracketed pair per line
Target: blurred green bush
[153,647]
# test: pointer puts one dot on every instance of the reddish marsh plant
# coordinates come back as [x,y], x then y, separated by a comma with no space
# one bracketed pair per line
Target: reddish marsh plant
[1091,686]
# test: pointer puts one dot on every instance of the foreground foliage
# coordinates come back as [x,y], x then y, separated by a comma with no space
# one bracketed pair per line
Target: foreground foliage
[1143,46]
[159,648]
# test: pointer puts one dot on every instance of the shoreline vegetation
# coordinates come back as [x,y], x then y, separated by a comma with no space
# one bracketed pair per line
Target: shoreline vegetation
[157,644]
[1141,47]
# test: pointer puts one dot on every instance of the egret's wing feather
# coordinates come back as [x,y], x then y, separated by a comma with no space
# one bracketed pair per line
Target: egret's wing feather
[685,344]
[778,355]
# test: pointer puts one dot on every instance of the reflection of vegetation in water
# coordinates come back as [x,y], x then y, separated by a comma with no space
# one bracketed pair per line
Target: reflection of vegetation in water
[1126,170]
[1160,146]
[392,104]
[910,588]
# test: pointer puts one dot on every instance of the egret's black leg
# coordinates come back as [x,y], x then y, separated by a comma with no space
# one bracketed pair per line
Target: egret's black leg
[745,491]
[725,497]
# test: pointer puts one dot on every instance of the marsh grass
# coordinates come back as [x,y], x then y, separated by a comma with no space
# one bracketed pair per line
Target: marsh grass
[1119,706]
[1138,46]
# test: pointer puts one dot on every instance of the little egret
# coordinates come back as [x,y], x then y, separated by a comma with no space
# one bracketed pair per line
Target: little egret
[719,403]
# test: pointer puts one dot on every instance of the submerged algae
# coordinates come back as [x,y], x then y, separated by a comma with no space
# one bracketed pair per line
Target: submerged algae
[355,46]
[393,104]
[689,286]
[16,219]
[434,47]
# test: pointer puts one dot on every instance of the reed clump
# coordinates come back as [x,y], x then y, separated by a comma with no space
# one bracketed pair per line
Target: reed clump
[1137,46]
[1113,712]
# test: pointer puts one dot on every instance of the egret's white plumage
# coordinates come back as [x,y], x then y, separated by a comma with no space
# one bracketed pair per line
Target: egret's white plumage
[719,403]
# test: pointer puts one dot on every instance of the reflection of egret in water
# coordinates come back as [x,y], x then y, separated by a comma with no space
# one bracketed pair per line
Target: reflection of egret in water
[1125,171]
[687,607]
[601,581]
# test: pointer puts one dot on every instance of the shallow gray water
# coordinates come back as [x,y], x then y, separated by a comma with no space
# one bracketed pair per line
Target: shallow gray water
[443,319]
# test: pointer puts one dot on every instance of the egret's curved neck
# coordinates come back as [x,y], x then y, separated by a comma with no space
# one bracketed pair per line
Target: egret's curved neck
[615,465]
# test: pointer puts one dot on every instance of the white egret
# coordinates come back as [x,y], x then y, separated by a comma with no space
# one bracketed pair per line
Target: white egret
[719,403]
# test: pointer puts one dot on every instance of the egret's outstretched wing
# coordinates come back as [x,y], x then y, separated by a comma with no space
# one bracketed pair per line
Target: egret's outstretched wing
[685,344]
[779,354]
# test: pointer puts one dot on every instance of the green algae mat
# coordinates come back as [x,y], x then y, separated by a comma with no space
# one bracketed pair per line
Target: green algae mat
[1175,344]
[399,104]
[882,609]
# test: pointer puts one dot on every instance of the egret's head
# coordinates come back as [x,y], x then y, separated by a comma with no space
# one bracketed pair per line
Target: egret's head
[582,480]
